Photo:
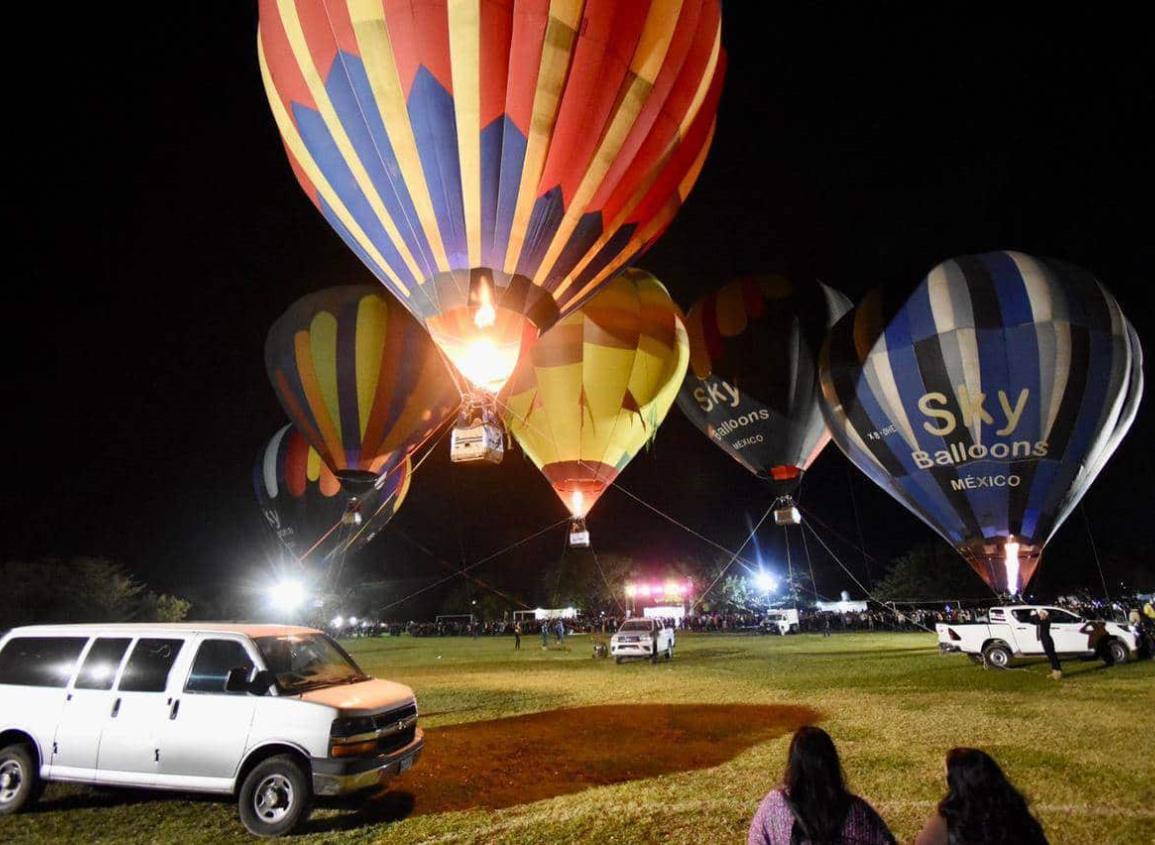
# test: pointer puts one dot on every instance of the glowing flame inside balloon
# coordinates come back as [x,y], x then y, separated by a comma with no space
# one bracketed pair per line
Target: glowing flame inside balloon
[1011,561]
[486,314]
[577,502]
[485,345]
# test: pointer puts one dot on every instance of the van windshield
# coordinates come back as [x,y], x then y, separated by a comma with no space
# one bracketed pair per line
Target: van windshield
[309,661]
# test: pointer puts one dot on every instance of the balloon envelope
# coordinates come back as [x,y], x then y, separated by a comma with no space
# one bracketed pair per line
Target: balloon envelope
[753,386]
[493,163]
[359,378]
[303,503]
[595,387]
[986,401]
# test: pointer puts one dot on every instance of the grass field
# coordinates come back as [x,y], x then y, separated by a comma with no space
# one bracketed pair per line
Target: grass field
[555,747]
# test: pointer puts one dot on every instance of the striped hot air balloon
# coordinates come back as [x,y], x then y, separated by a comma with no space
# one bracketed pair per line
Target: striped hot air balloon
[596,386]
[359,379]
[753,381]
[987,401]
[493,162]
[302,500]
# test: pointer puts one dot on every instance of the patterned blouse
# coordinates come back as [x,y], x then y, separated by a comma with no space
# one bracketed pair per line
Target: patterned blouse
[773,823]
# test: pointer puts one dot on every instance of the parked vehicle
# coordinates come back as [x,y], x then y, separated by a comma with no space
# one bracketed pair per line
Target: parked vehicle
[271,714]
[780,622]
[643,638]
[1013,632]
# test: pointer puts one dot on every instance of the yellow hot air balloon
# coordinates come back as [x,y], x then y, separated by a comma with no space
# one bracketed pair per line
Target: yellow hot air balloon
[595,388]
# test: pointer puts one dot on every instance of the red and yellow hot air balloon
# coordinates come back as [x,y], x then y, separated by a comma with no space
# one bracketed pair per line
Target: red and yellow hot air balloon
[594,389]
[359,379]
[493,163]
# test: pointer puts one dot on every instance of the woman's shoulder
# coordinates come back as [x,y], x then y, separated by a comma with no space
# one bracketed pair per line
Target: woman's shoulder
[772,821]
[865,825]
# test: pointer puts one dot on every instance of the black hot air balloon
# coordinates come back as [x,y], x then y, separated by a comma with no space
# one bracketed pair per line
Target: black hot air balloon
[753,386]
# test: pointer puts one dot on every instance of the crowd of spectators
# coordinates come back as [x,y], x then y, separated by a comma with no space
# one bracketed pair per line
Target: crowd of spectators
[880,617]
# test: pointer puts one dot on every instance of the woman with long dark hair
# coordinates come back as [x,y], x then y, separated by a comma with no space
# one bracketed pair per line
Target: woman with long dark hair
[813,805]
[981,806]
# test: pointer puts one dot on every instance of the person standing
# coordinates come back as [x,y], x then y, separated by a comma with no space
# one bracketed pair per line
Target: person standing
[1043,621]
[517,637]
[826,625]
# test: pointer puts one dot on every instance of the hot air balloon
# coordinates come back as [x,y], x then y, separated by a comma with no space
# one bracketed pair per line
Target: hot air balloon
[986,401]
[359,379]
[493,163]
[304,505]
[753,381]
[594,389]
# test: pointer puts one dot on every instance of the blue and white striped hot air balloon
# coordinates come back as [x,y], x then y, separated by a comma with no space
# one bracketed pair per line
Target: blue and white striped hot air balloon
[986,401]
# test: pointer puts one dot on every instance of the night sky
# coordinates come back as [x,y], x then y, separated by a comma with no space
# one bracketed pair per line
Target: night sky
[157,232]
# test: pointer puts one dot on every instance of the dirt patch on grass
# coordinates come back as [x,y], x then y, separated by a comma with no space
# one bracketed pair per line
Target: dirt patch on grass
[504,762]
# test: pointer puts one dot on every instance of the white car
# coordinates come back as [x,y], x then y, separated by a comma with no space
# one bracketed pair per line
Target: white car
[1013,632]
[643,638]
[272,714]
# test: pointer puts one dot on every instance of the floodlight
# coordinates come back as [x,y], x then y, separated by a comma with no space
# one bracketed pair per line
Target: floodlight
[765,582]
[287,594]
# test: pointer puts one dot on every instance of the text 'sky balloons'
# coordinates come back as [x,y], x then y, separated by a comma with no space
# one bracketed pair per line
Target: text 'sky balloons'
[302,501]
[987,401]
[753,381]
[595,387]
[493,162]
[359,378]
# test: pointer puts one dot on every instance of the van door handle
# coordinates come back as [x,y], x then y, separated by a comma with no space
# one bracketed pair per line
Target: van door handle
[115,708]
[174,709]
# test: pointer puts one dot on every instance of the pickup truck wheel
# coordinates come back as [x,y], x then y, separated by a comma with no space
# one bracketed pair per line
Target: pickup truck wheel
[275,797]
[997,655]
[617,659]
[1115,652]
[654,652]
[20,783]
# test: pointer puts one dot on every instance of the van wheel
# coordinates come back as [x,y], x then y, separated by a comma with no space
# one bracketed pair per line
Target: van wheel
[20,783]
[275,797]
[1115,652]
[997,656]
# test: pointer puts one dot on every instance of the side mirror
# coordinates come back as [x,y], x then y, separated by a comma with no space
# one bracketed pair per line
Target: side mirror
[262,682]
[237,680]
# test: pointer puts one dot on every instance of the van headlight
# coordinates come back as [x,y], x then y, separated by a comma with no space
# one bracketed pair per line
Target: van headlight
[351,726]
[353,736]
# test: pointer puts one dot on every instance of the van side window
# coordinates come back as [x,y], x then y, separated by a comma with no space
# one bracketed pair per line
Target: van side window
[40,661]
[101,663]
[148,665]
[214,660]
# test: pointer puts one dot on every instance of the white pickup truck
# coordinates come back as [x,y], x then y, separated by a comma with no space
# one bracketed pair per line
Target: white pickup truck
[1013,632]
[643,638]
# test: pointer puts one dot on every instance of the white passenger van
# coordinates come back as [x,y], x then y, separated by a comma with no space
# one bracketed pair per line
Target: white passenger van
[272,714]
